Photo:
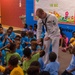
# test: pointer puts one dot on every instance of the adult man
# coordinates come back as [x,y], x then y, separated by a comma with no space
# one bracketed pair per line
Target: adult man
[52,32]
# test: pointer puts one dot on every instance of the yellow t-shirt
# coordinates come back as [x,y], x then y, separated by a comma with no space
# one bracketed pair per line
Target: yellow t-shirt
[73,44]
[72,40]
[2,69]
[17,71]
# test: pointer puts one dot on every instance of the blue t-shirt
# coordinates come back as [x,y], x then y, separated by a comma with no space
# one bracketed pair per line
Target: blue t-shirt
[52,68]
[72,64]
[12,36]
[23,40]
[20,51]
[1,37]
[29,40]
[42,66]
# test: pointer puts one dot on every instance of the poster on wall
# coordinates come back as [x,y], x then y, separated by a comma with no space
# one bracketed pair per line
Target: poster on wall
[63,9]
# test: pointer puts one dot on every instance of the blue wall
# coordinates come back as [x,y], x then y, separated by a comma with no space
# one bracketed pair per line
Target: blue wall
[29,11]
[67,29]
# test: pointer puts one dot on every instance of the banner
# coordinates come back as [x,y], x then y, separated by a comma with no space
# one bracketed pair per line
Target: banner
[63,9]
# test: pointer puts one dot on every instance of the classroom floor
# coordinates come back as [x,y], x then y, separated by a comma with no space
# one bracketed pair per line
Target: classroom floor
[64,59]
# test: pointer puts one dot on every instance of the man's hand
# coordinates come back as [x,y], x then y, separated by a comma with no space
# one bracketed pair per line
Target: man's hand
[46,39]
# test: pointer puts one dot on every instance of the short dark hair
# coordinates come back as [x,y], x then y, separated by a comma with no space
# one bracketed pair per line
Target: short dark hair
[33,40]
[33,70]
[42,53]
[30,26]
[10,28]
[44,73]
[13,60]
[35,63]
[27,52]
[18,37]
[52,56]
[73,32]
[25,25]
[12,46]
[23,33]
[1,27]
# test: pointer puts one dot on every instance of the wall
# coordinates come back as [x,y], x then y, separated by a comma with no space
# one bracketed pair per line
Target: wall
[29,11]
[67,29]
[0,11]
[11,11]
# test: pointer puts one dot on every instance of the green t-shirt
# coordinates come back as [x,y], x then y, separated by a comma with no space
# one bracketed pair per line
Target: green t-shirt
[26,64]
[8,55]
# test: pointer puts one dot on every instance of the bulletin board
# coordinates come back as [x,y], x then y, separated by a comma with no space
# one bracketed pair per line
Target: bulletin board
[64,10]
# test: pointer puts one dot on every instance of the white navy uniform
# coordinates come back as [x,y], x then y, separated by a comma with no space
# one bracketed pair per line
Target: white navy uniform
[52,31]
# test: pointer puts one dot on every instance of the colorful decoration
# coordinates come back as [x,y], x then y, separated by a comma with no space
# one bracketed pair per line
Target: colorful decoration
[37,0]
[66,14]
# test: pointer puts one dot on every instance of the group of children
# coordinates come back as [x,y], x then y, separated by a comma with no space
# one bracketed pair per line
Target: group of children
[21,55]
[68,45]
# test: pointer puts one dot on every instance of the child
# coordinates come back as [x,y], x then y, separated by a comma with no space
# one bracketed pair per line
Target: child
[63,40]
[11,52]
[34,51]
[19,48]
[35,63]
[73,38]
[29,59]
[53,66]
[40,45]
[38,64]
[1,34]
[33,46]
[18,37]
[44,73]
[35,30]
[12,34]
[72,43]
[71,68]
[13,68]
[2,52]
[33,70]
[25,28]
[30,37]
[24,39]
[30,28]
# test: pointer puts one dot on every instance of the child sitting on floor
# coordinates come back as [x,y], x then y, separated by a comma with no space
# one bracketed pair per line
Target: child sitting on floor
[53,66]
[30,58]
[71,68]
[12,68]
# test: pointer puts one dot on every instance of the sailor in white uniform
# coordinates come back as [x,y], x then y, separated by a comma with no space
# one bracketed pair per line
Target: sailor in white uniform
[52,32]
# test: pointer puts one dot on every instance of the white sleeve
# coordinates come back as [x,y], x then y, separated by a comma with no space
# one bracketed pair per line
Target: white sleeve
[39,28]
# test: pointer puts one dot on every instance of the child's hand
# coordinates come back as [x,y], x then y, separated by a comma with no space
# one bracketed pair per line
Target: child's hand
[23,58]
[33,53]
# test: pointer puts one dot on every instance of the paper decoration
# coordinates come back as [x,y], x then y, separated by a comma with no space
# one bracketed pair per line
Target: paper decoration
[63,9]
